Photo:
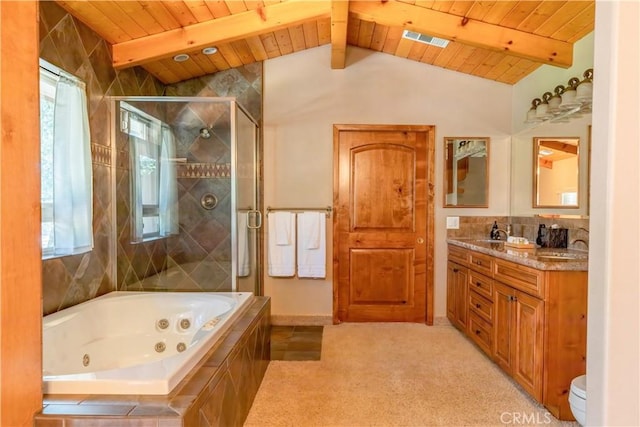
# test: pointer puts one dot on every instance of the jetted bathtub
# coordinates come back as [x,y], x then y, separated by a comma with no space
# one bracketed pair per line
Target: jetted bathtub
[133,342]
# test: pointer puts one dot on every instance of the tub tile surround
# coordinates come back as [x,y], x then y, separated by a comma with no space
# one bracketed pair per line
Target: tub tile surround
[479,227]
[219,391]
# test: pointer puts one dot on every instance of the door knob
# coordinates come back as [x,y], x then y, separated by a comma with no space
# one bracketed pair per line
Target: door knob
[420,240]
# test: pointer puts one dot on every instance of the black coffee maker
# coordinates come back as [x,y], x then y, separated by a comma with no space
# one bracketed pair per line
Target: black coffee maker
[553,237]
[541,240]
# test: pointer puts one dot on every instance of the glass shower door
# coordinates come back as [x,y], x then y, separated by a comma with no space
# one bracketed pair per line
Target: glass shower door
[248,219]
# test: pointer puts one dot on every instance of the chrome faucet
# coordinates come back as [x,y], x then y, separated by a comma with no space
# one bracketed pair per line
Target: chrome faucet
[506,232]
[585,242]
[500,230]
[574,241]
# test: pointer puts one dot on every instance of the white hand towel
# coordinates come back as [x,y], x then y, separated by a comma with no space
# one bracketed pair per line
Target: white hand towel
[282,228]
[243,246]
[281,257]
[312,245]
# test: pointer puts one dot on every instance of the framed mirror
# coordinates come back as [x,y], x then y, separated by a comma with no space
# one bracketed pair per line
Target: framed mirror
[466,181]
[556,172]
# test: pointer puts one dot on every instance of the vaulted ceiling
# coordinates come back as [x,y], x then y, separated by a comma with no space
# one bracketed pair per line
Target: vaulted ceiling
[498,40]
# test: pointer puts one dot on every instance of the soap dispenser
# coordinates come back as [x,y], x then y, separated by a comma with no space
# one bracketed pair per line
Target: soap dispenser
[494,235]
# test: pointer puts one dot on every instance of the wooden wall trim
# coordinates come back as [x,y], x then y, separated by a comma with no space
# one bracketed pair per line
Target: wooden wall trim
[20,263]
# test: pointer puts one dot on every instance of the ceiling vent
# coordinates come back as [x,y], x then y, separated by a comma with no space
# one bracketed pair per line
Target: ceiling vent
[423,38]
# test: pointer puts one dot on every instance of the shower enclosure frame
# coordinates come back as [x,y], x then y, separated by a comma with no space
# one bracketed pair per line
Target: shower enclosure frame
[254,219]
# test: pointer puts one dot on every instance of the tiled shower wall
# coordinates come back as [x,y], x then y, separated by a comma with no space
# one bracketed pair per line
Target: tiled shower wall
[199,258]
[70,45]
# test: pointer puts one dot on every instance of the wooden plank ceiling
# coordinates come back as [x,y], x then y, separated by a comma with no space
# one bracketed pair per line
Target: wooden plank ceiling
[498,40]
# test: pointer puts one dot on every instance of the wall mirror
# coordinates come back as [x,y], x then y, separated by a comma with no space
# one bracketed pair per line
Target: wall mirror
[556,172]
[466,181]
[523,167]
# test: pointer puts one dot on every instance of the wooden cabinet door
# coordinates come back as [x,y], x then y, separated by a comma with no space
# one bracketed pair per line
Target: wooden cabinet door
[503,326]
[382,247]
[518,337]
[452,271]
[457,307]
[528,351]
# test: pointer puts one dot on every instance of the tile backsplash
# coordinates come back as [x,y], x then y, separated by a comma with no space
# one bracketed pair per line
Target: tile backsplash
[476,227]
[479,227]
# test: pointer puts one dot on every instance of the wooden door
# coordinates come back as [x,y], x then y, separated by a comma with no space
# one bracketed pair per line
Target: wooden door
[528,351]
[503,326]
[383,223]
[457,306]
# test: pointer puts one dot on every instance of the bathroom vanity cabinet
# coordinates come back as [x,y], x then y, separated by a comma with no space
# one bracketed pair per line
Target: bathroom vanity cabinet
[527,315]
[457,294]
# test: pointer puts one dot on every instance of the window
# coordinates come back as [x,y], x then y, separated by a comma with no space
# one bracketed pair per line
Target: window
[47,101]
[66,195]
[153,177]
[145,163]
[569,198]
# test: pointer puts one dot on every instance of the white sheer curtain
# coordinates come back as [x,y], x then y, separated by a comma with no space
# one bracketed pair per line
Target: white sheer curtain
[72,175]
[168,185]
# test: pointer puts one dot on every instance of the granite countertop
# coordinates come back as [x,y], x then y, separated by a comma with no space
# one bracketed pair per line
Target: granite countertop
[576,260]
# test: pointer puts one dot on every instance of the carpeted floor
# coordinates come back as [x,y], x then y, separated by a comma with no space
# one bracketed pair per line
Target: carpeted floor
[393,374]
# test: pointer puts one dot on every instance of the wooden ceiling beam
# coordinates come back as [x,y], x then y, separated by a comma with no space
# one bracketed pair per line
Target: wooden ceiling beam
[339,20]
[222,30]
[468,31]
[560,146]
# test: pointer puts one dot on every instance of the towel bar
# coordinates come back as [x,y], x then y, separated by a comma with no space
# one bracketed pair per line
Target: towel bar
[327,209]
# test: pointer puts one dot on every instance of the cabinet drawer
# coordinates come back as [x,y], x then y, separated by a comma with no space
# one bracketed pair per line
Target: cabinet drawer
[481,306]
[481,262]
[520,277]
[480,332]
[458,254]
[481,284]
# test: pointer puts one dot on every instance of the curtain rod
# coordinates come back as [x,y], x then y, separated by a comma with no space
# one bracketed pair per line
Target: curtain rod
[50,67]
[57,71]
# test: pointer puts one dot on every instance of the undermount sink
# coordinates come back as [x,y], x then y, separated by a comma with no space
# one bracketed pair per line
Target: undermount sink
[556,258]
[559,257]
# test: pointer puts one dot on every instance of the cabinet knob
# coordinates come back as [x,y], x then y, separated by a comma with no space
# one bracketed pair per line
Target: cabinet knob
[477,331]
[478,284]
[455,270]
[478,306]
[479,262]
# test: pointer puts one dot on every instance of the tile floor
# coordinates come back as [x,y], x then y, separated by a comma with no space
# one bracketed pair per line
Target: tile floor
[296,342]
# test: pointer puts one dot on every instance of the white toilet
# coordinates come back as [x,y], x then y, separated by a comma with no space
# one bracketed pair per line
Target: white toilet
[578,399]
